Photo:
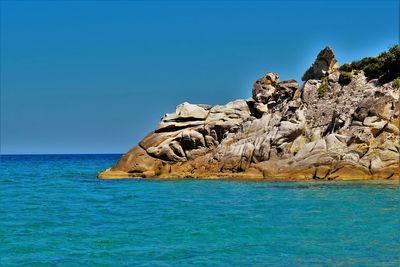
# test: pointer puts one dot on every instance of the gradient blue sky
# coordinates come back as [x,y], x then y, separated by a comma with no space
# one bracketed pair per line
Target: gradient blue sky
[95,77]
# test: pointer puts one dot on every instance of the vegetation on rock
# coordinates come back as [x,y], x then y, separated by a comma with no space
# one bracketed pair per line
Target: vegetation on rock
[324,85]
[346,67]
[396,83]
[345,78]
[385,66]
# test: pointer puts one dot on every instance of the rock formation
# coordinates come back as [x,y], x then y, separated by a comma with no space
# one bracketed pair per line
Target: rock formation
[283,132]
[324,63]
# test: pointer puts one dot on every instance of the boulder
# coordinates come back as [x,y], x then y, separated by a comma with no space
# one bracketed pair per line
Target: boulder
[187,111]
[186,115]
[265,87]
[260,108]
[269,89]
[137,161]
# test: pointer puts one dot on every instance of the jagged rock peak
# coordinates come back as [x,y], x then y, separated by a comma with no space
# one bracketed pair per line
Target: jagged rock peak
[325,62]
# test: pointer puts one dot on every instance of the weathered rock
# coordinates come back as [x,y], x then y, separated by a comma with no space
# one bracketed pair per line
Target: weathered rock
[283,132]
[186,115]
[137,161]
[187,111]
[325,63]
[375,124]
[269,89]
[261,108]
[224,119]
[265,87]
[285,90]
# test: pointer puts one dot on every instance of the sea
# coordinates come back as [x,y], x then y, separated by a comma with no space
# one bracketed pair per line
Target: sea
[55,212]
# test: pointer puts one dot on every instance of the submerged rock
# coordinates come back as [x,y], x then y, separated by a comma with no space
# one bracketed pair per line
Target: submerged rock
[283,132]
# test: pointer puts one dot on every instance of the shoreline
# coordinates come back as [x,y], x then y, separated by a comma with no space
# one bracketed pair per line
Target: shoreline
[118,175]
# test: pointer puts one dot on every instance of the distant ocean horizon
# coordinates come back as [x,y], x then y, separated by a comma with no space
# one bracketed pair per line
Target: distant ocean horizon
[58,154]
[54,211]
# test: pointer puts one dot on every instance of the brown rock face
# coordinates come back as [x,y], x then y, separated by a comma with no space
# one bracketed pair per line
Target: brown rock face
[324,63]
[269,89]
[283,132]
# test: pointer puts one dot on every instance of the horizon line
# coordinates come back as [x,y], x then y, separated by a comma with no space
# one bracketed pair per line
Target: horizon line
[55,154]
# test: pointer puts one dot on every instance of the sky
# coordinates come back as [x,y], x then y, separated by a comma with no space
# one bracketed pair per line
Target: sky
[97,76]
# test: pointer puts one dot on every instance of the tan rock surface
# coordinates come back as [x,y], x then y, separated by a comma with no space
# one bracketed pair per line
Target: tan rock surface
[285,131]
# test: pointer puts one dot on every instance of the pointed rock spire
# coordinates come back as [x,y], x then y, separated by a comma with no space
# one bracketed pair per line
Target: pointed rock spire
[325,62]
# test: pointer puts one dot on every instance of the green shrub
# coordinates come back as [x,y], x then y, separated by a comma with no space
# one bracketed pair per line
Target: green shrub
[346,67]
[324,85]
[345,78]
[396,83]
[385,66]
[390,64]
[373,71]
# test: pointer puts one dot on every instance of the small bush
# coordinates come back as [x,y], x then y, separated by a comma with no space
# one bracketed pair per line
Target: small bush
[385,66]
[324,85]
[373,71]
[396,83]
[345,78]
[346,67]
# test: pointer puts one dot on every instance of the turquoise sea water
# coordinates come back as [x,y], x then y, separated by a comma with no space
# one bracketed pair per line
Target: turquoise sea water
[54,212]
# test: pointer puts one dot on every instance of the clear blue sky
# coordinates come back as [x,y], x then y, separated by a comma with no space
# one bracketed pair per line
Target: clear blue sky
[95,77]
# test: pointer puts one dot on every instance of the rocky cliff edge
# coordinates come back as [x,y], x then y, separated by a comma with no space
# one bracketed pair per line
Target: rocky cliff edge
[328,128]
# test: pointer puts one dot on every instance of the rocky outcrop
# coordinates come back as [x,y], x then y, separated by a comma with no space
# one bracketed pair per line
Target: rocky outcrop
[270,90]
[323,64]
[283,132]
